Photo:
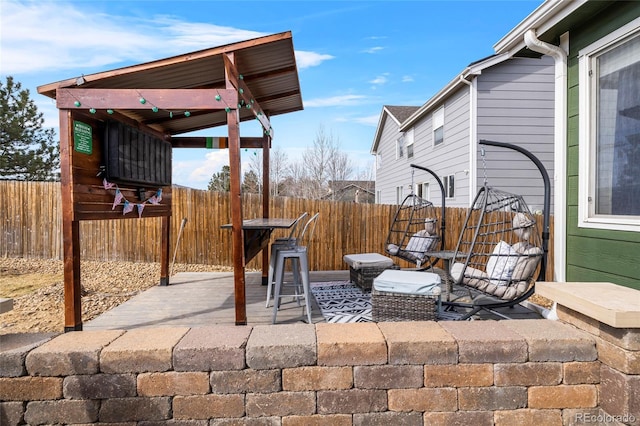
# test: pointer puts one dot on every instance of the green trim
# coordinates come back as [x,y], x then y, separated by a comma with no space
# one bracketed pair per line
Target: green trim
[594,254]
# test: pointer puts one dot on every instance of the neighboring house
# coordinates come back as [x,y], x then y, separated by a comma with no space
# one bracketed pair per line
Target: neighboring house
[386,143]
[357,191]
[497,98]
[596,48]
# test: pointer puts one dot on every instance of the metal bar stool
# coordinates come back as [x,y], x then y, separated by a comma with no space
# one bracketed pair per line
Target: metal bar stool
[299,258]
[283,243]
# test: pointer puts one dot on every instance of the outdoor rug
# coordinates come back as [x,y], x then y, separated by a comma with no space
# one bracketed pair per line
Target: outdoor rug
[342,301]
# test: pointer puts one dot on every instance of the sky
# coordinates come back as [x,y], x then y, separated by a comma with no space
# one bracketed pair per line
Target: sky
[353,57]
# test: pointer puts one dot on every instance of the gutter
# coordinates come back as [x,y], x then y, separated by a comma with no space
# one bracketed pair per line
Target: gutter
[473,134]
[560,146]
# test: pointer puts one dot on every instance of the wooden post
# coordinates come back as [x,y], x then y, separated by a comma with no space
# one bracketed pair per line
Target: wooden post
[165,250]
[70,229]
[266,144]
[235,196]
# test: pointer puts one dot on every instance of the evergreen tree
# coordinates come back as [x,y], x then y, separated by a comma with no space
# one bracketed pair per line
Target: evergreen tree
[27,151]
[250,182]
[221,181]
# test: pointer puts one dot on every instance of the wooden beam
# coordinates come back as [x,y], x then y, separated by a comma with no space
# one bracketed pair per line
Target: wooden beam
[265,204]
[235,195]
[70,229]
[167,99]
[215,142]
[245,93]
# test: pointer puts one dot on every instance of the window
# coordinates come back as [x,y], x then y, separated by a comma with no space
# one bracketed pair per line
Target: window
[399,196]
[400,147]
[409,141]
[378,161]
[609,176]
[438,126]
[449,183]
[422,190]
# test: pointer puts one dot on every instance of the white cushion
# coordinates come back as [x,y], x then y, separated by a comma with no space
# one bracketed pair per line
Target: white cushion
[501,263]
[367,260]
[408,282]
[420,242]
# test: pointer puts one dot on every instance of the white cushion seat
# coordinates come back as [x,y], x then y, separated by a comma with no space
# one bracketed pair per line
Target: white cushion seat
[408,282]
[367,260]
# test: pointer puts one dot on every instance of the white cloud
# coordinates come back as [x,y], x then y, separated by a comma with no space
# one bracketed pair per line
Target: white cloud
[306,59]
[198,173]
[375,49]
[371,120]
[381,79]
[407,79]
[342,100]
[53,36]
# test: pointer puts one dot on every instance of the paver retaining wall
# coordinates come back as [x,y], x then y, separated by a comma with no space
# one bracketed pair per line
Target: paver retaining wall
[518,372]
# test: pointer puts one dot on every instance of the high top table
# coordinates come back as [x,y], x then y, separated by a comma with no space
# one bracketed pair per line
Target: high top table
[257,233]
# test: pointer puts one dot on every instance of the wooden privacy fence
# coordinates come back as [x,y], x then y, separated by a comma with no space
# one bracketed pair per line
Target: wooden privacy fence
[31,227]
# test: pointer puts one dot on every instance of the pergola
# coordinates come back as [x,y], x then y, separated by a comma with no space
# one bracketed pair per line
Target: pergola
[249,80]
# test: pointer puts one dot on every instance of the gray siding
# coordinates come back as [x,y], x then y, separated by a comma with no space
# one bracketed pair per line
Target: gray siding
[449,158]
[515,102]
[388,174]
[516,105]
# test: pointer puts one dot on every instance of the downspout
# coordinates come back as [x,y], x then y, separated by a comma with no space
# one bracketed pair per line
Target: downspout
[473,138]
[560,149]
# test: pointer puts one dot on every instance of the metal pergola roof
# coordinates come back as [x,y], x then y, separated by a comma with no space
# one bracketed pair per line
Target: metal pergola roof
[267,66]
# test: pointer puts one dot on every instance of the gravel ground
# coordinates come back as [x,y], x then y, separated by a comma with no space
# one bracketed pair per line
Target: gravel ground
[104,286]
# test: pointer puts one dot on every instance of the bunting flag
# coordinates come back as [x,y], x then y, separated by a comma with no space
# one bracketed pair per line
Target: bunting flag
[127,207]
[108,185]
[119,198]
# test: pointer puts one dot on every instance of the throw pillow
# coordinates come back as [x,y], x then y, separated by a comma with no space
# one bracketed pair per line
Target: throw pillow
[501,263]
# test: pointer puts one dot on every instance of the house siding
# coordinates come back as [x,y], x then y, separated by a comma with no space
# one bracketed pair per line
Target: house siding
[449,158]
[516,105]
[595,254]
[388,175]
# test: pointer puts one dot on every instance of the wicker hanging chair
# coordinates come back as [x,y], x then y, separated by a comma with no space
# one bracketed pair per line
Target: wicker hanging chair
[413,231]
[500,248]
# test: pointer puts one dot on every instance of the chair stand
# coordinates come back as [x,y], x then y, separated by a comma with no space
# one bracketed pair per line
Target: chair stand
[300,261]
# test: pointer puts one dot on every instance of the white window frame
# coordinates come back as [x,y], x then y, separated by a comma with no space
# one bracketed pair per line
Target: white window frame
[422,190]
[409,143]
[586,135]
[400,147]
[378,161]
[437,121]
[449,183]
[399,195]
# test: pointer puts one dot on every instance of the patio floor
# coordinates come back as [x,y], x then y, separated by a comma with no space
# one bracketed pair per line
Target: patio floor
[195,299]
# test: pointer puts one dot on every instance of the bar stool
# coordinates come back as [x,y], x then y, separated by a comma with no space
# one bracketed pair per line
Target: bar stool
[299,258]
[283,243]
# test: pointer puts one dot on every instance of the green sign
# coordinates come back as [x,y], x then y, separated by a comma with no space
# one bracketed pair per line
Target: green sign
[82,141]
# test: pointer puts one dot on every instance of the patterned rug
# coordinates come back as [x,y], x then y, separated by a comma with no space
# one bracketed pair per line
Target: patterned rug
[342,301]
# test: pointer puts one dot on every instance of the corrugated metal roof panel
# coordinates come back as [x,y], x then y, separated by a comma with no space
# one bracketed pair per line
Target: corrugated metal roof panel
[267,64]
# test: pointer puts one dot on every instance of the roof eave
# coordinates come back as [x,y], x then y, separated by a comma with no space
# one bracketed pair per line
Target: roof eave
[541,19]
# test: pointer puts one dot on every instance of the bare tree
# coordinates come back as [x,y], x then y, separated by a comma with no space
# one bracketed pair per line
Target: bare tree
[278,168]
[255,166]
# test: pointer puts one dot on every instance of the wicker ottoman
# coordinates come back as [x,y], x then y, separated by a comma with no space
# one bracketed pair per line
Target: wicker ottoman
[363,268]
[405,296]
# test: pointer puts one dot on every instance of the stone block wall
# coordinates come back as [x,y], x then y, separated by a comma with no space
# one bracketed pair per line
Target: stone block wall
[524,372]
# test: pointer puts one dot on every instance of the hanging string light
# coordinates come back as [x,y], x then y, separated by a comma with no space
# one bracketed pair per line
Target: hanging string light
[155,109]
